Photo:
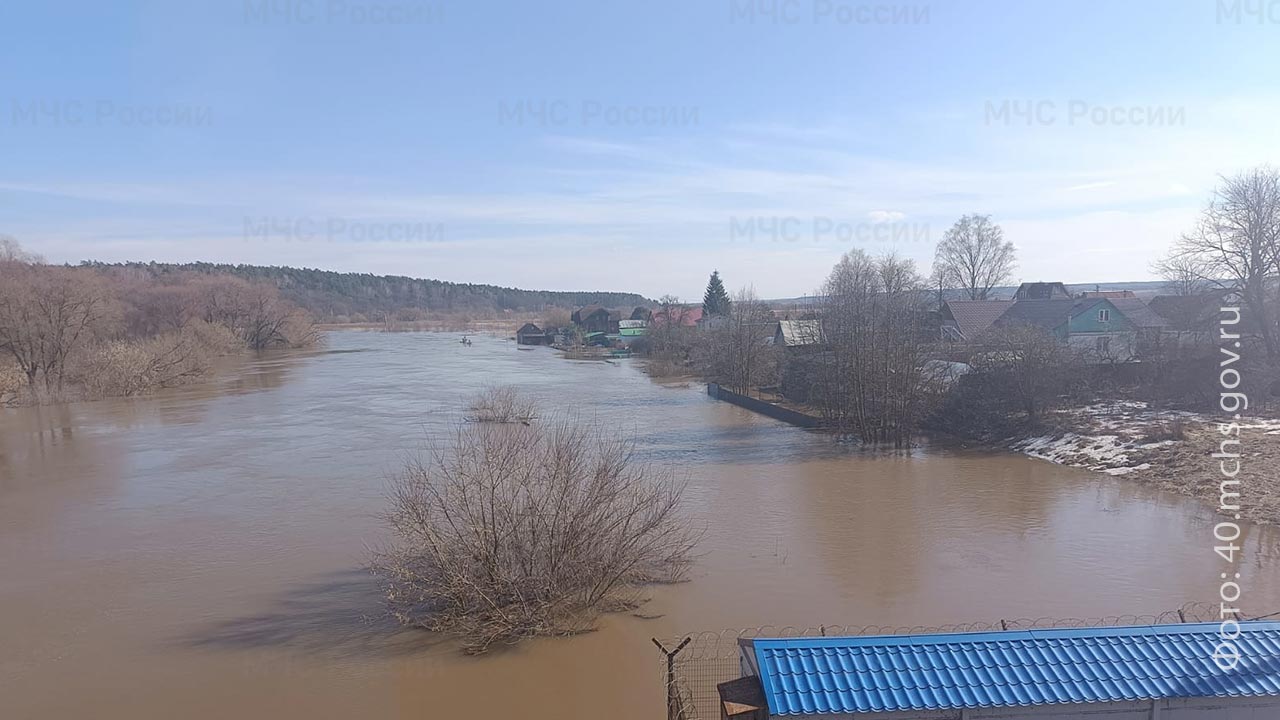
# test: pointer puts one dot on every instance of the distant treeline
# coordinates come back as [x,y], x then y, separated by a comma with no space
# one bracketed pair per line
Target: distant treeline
[335,296]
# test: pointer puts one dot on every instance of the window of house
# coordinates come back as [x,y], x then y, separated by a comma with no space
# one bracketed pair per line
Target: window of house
[1104,315]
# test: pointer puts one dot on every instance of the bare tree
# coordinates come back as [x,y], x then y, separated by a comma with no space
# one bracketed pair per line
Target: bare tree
[502,405]
[974,257]
[99,330]
[872,380]
[1237,245]
[1185,273]
[739,352]
[670,307]
[12,252]
[522,530]
[255,311]
[669,337]
[1026,365]
[49,313]
[556,318]
[161,309]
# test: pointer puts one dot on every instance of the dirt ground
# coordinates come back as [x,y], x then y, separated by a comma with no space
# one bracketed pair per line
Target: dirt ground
[1170,450]
[1189,468]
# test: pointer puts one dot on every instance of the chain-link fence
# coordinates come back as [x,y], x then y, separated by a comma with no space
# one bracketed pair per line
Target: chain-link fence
[693,665]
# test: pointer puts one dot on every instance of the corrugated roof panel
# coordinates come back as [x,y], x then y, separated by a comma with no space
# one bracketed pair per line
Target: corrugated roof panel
[1007,669]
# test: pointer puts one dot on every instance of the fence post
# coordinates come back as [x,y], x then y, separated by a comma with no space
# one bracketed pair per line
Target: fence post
[674,711]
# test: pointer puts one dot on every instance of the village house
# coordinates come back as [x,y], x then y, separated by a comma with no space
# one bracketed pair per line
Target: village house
[1114,673]
[965,320]
[1189,313]
[601,326]
[1097,327]
[798,336]
[1195,319]
[629,330]
[684,316]
[530,334]
[1042,291]
[1106,327]
[597,319]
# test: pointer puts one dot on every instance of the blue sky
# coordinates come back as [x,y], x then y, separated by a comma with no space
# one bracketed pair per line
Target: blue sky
[628,146]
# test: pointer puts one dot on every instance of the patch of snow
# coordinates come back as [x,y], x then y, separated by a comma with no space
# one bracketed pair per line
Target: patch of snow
[1105,434]
[1102,453]
[1126,470]
[1098,448]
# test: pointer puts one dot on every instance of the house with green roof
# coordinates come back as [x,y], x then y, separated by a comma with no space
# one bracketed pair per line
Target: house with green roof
[1104,330]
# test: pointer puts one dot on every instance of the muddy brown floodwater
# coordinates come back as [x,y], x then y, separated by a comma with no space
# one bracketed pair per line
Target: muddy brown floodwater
[199,554]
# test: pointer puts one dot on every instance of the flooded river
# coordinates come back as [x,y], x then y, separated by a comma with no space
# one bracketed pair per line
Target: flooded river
[199,554]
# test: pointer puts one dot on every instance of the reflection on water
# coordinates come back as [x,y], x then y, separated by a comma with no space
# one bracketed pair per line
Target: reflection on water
[336,616]
[200,553]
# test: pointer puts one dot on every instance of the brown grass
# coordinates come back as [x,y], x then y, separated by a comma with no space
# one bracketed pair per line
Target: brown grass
[1172,429]
[12,383]
[1189,468]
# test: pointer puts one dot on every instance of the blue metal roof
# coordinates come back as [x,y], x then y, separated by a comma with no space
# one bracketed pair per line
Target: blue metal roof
[1002,669]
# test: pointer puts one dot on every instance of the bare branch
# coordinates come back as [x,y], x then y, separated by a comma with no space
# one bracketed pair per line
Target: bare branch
[524,529]
[974,257]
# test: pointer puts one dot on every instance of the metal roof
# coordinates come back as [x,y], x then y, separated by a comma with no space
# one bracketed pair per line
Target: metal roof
[798,333]
[1138,312]
[1041,291]
[1047,314]
[813,676]
[975,316]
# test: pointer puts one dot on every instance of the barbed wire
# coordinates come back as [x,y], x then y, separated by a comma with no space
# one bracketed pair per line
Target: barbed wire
[724,643]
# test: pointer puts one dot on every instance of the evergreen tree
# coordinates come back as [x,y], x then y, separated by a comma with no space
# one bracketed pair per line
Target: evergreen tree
[716,301]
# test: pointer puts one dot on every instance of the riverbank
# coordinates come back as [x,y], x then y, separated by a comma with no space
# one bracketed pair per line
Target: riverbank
[1171,450]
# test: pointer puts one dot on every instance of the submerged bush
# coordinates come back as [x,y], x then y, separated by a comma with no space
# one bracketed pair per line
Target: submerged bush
[121,368]
[12,382]
[521,530]
[502,405]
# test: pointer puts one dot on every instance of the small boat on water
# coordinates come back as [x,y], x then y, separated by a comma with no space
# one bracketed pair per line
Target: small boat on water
[465,340]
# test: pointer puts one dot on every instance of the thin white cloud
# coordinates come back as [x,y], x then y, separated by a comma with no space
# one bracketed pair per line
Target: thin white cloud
[1092,186]
[885,216]
[1080,203]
